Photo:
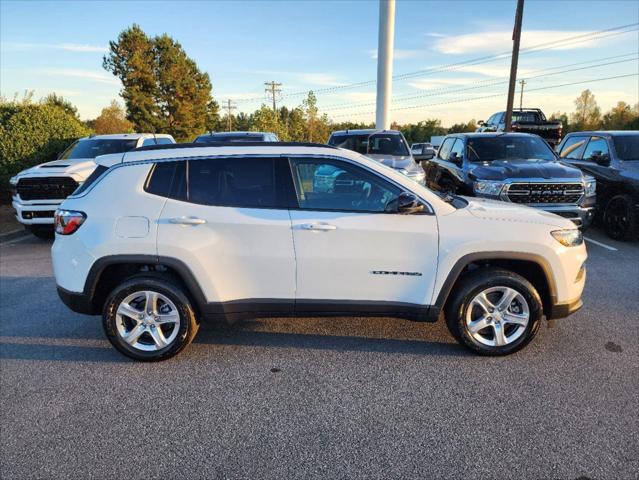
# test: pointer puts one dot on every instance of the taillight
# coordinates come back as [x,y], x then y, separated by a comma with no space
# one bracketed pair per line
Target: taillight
[68,221]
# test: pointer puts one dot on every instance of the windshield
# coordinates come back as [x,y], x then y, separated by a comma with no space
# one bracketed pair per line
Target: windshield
[229,138]
[382,143]
[627,147]
[508,148]
[91,148]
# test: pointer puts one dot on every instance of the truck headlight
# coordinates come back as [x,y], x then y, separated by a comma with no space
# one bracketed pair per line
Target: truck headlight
[590,186]
[568,238]
[487,187]
[13,181]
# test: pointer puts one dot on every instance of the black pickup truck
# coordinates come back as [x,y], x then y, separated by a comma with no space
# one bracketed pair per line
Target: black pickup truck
[612,157]
[525,120]
[512,167]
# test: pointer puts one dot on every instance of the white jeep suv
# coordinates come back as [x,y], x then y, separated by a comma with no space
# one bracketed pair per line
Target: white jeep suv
[164,237]
[39,190]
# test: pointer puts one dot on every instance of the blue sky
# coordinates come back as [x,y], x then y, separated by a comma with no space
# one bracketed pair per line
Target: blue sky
[323,45]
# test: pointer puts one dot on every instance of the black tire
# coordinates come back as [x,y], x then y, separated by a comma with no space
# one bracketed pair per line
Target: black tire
[620,218]
[43,232]
[474,283]
[188,322]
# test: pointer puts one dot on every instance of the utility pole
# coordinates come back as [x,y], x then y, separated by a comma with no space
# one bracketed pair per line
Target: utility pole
[385,40]
[229,109]
[272,90]
[513,63]
[521,93]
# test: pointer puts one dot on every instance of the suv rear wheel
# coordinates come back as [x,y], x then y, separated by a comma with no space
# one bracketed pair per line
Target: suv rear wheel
[149,319]
[494,312]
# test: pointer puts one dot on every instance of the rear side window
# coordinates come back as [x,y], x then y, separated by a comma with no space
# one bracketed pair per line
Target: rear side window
[160,179]
[91,179]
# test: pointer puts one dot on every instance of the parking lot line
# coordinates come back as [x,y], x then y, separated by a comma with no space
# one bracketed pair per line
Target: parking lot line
[608,247]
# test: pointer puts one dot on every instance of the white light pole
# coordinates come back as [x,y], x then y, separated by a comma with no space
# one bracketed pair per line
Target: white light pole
[385,62]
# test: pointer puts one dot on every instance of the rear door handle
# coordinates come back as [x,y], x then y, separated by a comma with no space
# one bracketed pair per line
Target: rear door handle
[322,227]
[187,220]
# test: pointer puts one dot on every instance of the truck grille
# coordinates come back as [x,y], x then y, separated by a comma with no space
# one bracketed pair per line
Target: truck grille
[46,188]
[548,193]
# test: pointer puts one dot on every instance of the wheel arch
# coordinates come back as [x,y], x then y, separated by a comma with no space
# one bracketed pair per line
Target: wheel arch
[532,267]
[107,272]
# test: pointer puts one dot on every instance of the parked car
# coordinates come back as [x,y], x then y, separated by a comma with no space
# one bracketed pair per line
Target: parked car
[422,151]
[385,146]
[612,157]
[214,137]
[513,167]
[39,190]
[231,232]
[525,120]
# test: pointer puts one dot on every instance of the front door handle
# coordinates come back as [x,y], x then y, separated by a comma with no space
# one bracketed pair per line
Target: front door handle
[187,220]
[321,227]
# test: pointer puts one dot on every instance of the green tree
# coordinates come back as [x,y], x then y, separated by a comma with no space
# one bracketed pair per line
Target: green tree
[563,118]
[423,130]
[620,117]
[317,126]
[163,89]
[587,115]
[112,119]
[60,102]
[463,127]
[267,120]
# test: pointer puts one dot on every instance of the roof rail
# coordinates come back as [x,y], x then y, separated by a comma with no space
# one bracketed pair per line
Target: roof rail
[176,146]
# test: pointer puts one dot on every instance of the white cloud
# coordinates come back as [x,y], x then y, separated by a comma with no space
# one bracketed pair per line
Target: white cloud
[498,41]
[324,79]
[69,47]
[94,75]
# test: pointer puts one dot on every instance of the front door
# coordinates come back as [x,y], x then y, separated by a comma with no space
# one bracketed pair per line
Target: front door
[350,250]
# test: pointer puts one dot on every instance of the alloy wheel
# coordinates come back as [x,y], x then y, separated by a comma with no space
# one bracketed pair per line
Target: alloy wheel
[147,320]
[497,316]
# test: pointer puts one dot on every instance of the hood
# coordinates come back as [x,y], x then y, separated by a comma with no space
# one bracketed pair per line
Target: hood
[525,169]
[79,168]
[404,162]
[510,212]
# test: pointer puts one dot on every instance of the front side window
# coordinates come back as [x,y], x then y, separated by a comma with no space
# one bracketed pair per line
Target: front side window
[596,144]
[458,148]
[573,148]
[444,150]
[91,148]
[322,184]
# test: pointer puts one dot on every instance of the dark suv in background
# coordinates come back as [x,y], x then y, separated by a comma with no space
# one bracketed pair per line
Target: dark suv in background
[512,167]
[612,157]
[525,120]
[233,137]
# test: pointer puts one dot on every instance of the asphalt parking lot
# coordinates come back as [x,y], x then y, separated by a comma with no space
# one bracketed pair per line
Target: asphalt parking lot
[330,398]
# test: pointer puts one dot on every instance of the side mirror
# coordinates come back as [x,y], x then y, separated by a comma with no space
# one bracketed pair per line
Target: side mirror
[600,159]
[407,204]
[453,158]
[481,122]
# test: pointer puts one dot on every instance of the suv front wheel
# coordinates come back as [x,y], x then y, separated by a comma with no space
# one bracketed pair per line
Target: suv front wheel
[494,312]
[149,319]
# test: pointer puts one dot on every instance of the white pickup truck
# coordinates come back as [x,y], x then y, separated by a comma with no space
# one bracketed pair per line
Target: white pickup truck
[39,190]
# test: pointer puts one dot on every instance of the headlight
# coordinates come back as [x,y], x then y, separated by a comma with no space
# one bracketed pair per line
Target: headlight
[486,187]
[13,181]
[568,238]
[590,186]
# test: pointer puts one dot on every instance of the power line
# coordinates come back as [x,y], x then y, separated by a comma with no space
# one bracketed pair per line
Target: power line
[483,84]
[618,30]
[273,90]
[495,95]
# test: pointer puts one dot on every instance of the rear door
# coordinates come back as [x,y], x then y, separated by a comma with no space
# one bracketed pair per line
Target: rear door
[349,250]
[227,219]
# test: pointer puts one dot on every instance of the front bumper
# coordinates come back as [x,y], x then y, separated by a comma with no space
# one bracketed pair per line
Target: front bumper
[563,310]
[36,212]
[580,216]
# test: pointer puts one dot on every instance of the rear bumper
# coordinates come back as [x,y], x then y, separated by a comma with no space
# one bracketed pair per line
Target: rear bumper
[78,302]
